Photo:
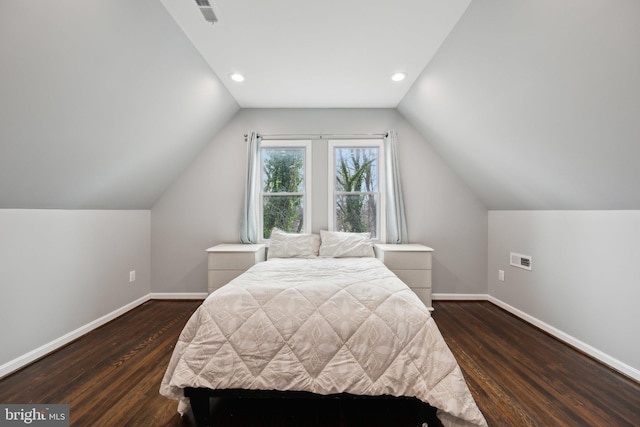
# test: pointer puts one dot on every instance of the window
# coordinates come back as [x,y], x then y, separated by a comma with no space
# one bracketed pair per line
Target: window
[356,196]
[285,187]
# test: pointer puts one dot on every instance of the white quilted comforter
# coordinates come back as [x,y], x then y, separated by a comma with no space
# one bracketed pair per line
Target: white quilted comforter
[322,325]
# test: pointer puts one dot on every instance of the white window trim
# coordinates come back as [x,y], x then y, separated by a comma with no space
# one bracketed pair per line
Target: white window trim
[331,188]
[306,218]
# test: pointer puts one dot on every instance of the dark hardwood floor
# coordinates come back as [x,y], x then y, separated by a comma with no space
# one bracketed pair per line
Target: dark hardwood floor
[518,375]
[111,376]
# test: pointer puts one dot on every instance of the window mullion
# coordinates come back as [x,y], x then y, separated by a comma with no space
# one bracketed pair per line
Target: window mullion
[299,193]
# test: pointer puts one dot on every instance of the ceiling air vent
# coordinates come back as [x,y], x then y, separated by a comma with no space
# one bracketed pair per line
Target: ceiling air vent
[208,10]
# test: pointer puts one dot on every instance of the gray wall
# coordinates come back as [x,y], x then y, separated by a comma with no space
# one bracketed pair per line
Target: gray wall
[584,282]
[203,207]
[102,104]
[534,103]
[64,269]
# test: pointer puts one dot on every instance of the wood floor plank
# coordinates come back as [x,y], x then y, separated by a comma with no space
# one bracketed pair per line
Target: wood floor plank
[535,379]
[519,376]
[106,373]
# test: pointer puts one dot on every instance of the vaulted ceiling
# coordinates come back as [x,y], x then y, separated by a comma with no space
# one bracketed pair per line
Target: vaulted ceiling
[331,53]
[536,103]
[102,104]
[533,103]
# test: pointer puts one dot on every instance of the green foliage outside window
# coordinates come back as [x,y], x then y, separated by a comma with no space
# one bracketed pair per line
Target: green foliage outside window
[356,187]
[283,174]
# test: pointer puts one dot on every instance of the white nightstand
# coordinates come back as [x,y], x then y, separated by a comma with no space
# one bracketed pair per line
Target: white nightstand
[412,264]
[228,261]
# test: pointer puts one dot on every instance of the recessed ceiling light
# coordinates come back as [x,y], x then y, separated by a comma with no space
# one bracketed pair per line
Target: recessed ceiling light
[397,77]
[237,77]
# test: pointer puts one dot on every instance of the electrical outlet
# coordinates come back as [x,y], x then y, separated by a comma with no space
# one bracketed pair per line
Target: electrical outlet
[501,275]
[132,276]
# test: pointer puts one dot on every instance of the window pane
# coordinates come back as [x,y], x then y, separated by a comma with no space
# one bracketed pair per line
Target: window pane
[356,169]
[283,212]
[357,213]
[282,170]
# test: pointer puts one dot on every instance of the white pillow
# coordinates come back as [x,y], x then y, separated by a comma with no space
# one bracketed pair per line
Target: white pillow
[292,245]
[339,244]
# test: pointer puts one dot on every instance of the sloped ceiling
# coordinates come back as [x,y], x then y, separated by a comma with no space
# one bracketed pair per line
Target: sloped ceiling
[536,104]
[102,103]
[320,54]
[533,103]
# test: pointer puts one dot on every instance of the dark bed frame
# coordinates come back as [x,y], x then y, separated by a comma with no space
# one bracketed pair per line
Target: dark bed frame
[199,398]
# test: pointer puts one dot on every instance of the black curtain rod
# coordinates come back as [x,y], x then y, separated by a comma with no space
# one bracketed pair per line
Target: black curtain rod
[322,136]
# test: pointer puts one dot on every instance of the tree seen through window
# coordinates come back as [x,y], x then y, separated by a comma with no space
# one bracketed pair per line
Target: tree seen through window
[356,191]
[282,189]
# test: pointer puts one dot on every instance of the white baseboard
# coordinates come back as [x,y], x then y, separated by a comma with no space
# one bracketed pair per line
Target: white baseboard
[39,352]
[25,359]
[178,295]
[612,362]
[460,297]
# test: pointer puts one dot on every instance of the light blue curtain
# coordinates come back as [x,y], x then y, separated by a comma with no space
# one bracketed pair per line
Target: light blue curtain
[396,220]
[249,225]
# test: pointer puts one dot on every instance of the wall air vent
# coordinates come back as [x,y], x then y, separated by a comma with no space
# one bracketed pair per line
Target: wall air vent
[521,261]
[208,10]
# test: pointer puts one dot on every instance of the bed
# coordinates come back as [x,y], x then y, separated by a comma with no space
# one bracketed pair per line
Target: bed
[322,325]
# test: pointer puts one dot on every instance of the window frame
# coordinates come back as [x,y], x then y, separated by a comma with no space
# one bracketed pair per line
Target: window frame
[331,187]
[306,195]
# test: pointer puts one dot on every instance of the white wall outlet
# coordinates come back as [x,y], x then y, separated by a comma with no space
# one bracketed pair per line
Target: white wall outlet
[132,276]
[501,275]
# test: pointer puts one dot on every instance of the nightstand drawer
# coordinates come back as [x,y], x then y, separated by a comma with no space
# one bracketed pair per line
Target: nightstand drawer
[218,278]
[407,260]
[417,278]
[411,262]
[228,261]
[234,260]
[424,294]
